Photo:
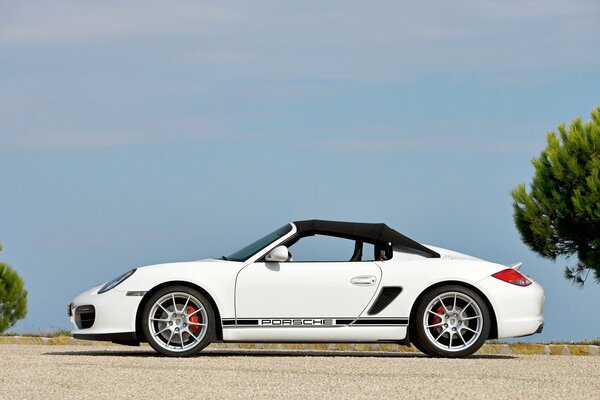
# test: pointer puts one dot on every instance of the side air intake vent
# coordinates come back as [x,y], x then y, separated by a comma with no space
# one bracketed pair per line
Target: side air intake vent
[386,296]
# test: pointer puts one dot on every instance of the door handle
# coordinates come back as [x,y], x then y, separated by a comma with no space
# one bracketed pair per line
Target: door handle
[363,280]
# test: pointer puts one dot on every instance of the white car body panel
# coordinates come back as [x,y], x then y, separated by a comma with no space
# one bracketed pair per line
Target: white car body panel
[216,278]
[305,289]
[518,312]
[289,299]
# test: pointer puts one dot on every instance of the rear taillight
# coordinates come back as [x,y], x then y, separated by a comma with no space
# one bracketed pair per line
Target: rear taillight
[512,276]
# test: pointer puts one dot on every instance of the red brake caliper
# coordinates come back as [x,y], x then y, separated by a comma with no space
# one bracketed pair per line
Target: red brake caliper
[193,319]
[436,320]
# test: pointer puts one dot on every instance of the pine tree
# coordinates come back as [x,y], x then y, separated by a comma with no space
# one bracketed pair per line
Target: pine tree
[560,216]
[13,297]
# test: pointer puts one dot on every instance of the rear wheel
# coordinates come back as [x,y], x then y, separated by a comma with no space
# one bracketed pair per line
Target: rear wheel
[178,321]
[451,321]
[417,344]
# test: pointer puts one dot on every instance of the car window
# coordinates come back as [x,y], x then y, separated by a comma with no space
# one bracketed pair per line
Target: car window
[255,247]
[383,251]
[368,252]
[322,248]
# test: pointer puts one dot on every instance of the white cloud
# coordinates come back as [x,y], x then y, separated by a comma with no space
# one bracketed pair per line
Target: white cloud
[76,22]
[75,140]
[448,143]
[92,74]
[322,39]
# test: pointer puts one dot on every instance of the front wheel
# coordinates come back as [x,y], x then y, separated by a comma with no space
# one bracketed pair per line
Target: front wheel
[452,321]
[178,321]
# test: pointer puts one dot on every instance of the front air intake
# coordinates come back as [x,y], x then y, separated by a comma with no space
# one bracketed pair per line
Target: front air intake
[85,316]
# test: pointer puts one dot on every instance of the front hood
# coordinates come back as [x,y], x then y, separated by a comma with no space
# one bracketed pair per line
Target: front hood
[208,262]
[451,255]
[198,272]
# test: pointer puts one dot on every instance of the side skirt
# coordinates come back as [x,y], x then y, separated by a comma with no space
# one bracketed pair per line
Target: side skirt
[317,330]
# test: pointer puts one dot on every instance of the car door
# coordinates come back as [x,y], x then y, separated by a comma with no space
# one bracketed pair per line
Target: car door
[320,292]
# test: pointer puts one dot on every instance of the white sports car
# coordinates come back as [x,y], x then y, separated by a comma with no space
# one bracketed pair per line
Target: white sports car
[281,288]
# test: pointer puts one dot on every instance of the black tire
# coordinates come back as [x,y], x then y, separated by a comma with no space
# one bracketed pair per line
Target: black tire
[181,331]
[413,339]
[438,326]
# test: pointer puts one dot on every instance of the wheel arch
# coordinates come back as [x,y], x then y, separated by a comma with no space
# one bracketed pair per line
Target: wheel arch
[413,311]
[140,311]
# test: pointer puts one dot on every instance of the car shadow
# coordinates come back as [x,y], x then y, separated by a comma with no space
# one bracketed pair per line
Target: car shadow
[265,353]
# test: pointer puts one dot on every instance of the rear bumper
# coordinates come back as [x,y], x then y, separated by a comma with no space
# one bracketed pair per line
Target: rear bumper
[519,310]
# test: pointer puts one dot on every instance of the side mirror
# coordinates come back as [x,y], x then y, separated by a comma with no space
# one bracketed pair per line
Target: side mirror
[278,254]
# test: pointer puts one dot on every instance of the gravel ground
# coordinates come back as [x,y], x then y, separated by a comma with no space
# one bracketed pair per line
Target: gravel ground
[69,372]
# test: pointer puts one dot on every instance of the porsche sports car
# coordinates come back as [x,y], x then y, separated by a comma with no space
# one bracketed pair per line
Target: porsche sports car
[289,286]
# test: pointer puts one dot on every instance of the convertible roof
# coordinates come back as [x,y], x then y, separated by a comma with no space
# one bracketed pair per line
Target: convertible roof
[357,230]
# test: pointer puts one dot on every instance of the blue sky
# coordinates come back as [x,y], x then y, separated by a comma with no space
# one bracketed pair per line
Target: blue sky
[145,132]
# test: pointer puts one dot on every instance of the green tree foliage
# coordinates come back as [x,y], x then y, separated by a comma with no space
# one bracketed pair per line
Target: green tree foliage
[560,216]
[13,297]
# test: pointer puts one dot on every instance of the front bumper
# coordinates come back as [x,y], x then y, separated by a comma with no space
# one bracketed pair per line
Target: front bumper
[114,315]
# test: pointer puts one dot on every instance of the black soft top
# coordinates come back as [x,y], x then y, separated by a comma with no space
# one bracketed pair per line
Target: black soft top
[364,231]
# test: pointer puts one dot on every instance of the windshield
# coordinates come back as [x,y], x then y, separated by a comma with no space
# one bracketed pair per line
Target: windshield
[253,248]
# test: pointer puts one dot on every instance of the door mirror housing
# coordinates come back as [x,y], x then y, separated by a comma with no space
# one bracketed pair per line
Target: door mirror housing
[278,254]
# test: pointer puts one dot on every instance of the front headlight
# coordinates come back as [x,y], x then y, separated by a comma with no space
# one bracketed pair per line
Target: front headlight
[115,282]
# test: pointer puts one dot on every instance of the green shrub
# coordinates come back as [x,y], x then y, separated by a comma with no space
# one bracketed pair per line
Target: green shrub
[13,297]
[560,215]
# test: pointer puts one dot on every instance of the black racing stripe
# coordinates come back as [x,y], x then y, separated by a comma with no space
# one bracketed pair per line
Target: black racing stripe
[255,322]
[247,322]
[380,321]
[285,326]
